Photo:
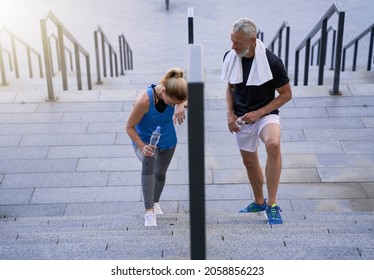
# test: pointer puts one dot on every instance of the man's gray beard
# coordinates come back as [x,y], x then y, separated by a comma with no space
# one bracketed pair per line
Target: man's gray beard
[243,53]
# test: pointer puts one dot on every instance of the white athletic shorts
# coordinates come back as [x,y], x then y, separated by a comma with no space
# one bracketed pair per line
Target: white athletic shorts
[248,136]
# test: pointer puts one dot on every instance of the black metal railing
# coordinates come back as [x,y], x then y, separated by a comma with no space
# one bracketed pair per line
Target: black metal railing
[125,54]
[111,55]
[14,39]
[306,43]
[62,32]
[354,43]
[279,38]
[317,45]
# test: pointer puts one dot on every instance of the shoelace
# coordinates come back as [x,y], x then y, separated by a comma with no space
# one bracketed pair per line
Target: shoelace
[274,212]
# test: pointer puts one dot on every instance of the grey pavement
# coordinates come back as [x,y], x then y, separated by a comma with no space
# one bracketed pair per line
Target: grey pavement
[70,181]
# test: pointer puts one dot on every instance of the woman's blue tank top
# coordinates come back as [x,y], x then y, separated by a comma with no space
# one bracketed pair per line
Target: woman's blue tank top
[152,119]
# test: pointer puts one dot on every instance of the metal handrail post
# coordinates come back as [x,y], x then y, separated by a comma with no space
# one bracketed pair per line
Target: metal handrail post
[280,43]
[296,78]
[78,66]
[60,39]
[88,69]
[70,58]
[370,48]
[125,53]
[120,54]
[338,55]
[115,64]
[343,60]
[288,31]
[306,70]
[40,66]
[29,62]
[14,52]
[131,60]
[47,60]
[111,60]
[103,55]
[2,67]
[97,56]
[323,47]
[333,49]
[355,51]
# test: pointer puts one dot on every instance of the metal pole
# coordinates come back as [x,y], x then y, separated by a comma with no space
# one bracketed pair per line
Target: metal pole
[97,56]
[196,153]
[29,62]
[15,59]
[306,70]
[2,67]
[120,54]
[296,68]
[88,69]
[61,47]
[338,54]
[47,60]
[190,25]
[370,49]
[78,66]
[333,49]
[322,52]
[287,48]
[103,54]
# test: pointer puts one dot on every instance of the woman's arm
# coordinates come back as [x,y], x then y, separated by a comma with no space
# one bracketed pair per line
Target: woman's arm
[140,108]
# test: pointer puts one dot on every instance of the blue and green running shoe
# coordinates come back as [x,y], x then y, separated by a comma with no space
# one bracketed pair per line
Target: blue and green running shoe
[273,213]
[254,208]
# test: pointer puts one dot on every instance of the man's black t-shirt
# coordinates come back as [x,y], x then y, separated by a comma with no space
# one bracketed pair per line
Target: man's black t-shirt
[252,98]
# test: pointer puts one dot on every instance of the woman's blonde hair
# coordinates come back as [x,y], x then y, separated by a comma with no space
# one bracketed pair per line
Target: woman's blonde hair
[175,85]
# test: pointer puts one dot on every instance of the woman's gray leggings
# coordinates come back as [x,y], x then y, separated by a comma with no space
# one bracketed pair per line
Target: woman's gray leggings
[154,174]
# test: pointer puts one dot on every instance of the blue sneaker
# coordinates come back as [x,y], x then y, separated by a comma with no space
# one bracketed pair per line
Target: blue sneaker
[273,213]
[254,208]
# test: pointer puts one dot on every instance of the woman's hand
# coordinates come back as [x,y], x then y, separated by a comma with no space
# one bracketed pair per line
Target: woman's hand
[148,150]
[179,114]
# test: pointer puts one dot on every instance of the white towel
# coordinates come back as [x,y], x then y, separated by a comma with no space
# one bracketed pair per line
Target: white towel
[232,71]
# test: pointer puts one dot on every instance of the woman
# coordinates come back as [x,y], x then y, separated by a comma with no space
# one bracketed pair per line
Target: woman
[157,106]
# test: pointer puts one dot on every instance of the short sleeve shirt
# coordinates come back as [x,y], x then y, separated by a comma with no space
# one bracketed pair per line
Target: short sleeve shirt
[252,98]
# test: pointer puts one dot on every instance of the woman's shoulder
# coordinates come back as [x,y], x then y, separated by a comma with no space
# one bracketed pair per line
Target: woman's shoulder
[142,100]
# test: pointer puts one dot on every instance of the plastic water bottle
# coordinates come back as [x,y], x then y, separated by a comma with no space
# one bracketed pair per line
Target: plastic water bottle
[155,137]
[240,122]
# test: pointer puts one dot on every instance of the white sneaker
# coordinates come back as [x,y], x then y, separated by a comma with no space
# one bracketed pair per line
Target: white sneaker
[150,219]
[157,209]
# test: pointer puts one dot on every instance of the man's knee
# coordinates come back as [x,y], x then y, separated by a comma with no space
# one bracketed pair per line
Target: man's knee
[273,147]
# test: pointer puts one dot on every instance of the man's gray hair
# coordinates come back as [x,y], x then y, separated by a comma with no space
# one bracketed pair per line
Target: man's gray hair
[247,25]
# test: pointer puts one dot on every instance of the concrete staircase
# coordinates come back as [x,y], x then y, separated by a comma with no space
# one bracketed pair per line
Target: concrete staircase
[69,180]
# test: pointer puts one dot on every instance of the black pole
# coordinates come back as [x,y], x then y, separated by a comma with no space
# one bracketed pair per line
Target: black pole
[196,153]
[190,25]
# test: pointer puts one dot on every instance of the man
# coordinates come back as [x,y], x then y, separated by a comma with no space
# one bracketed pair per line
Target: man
[254,74]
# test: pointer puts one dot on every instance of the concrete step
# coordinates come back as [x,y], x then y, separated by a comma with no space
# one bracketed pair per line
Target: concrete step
[347,235]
